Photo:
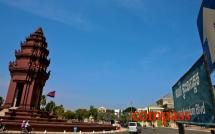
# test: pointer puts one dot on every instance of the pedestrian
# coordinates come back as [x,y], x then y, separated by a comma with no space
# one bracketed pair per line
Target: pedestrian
[1,123]
[2,126]
[27,126]
[153,125]
[23,130]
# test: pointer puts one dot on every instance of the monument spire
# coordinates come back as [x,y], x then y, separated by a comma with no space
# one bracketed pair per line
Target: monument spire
[28,72]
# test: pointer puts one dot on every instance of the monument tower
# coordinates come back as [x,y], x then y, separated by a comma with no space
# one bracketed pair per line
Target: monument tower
[28,77]
[28,73]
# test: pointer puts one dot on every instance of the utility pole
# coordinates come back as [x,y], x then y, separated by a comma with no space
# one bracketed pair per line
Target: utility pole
[131,111]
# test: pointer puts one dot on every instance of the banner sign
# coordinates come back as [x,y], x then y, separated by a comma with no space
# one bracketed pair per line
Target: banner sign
[206,27]
[193,93]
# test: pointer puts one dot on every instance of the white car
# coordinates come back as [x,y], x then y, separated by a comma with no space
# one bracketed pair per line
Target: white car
[134,127]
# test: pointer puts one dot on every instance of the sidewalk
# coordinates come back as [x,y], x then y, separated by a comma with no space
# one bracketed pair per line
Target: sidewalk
[39,132]
[194,128]
[197,128]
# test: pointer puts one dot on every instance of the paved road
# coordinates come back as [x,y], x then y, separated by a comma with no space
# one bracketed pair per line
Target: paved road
[167,131]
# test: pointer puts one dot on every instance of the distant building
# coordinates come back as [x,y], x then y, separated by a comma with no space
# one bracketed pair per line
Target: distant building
[166,102]
[142,109]
[155,109]
[117,112]
[102,110]
[151,108]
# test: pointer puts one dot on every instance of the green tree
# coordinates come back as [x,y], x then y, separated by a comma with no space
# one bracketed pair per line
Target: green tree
[110,111]
[50,107]
[43,102]
[59,110]
[1,100]
[82,114]
[108,116]
[130,109]
[69,115]
[124,118]
[101,117]
[93,112]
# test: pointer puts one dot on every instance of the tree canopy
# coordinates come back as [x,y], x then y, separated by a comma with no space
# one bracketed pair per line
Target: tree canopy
[50,106]
[130,109]
[69,115]
[106,116]
[93,112]
[59,110]
[81,114]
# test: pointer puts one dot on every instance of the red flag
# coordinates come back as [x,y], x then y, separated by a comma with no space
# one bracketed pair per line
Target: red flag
[51,94]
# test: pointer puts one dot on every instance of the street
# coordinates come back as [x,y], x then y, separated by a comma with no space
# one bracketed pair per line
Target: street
[167,131]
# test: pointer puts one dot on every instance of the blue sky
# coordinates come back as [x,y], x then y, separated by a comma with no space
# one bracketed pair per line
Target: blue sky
[105,52]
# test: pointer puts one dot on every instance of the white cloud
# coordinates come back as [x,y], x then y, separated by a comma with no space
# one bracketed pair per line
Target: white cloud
[49,10]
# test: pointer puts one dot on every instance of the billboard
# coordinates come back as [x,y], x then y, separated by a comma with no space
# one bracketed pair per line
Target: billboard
[206,27]
[193,93]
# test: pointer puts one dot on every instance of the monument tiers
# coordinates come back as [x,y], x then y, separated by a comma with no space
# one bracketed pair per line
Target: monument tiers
[28,77]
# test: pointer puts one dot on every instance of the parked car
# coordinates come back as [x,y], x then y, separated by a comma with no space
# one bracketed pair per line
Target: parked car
[134,127]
